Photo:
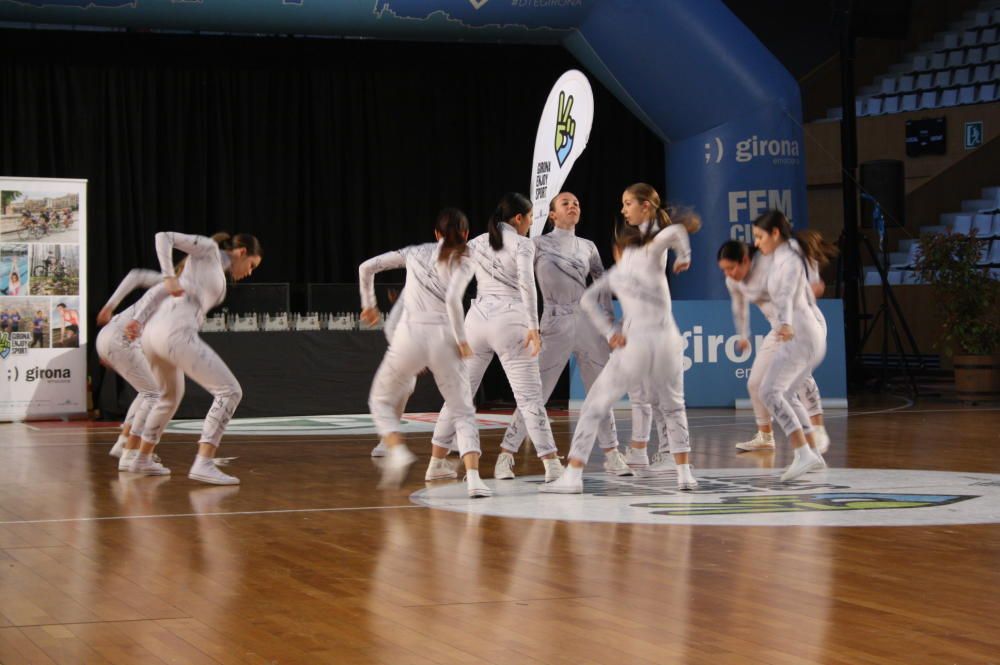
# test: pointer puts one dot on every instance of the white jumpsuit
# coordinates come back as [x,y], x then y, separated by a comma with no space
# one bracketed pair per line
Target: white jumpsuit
[427,335]
[795,305]
[172,343]
[652,360]
[753,289]
[126,357]
[505,308]
[562,263]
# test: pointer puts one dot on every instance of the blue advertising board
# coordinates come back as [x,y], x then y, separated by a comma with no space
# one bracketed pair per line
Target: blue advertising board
[715,373]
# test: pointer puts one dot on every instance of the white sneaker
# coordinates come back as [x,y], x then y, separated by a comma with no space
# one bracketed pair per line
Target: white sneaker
[821,438]
[571,482]
[379,450]
[803,462]
[760,441]
[440,468]
[636,458]
[820,464]
[685,479]
[476,487]
[128,456]
[119,447]
[206,471]
[504,468]
[149,467]
[395,465]
[553,469]
[614,463]
[662,463]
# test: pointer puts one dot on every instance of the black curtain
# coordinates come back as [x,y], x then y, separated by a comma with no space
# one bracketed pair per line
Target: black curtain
[328,150]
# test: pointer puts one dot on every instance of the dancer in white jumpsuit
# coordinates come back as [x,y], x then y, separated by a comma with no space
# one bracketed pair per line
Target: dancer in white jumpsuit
[174,348]
[746,273]
[503,320]
[126,358]
[648,353]
[801,334]
[562,264]
[431,333]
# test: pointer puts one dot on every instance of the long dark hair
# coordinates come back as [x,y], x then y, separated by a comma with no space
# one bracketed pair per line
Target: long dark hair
[511,205]
[814,246]
[643,193]
[453,226]
[735,251]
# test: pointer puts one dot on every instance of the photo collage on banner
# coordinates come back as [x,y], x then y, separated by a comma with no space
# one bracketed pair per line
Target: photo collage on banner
[42,275]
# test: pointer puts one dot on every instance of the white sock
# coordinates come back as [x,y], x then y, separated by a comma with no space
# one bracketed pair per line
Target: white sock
[144,458]
[572,473]
[202,460]
[803,450]
[471,475]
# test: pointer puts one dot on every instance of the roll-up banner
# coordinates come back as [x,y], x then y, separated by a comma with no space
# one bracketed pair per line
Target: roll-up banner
[43,320]
[562,135]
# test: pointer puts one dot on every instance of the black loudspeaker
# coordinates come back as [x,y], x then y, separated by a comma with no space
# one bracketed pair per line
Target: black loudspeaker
[261,297]
[882,179]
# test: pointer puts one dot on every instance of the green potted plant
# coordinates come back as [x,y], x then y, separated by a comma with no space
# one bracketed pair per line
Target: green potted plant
[970,310]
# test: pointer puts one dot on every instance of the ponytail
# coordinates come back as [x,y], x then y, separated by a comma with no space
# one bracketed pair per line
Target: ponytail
[511,205]
[223,240]
[815,247]
[496,237]
[453,226]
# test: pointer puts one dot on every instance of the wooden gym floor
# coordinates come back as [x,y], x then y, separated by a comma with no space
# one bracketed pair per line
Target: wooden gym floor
[306,562]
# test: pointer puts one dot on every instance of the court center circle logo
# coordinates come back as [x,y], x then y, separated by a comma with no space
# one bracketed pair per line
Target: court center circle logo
[745,497]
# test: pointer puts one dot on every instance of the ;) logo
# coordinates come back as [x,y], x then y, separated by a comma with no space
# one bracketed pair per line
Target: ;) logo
[719,151]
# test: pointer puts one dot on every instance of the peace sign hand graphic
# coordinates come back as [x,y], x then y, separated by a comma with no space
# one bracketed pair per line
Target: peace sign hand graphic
[565,128]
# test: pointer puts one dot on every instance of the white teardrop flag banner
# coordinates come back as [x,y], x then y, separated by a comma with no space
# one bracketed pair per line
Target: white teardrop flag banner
[562,136]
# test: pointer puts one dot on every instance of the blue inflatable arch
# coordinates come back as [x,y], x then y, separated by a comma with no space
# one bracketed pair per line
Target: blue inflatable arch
[729,113]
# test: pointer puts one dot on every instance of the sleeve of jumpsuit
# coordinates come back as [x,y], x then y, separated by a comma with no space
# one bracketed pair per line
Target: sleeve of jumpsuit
[367,271]
[137,278]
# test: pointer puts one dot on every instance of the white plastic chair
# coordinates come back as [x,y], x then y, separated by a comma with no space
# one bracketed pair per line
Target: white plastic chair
[983,225]
[962,224]
[949,97]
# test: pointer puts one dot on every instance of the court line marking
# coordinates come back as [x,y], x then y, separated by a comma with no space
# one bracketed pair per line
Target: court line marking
[217,514]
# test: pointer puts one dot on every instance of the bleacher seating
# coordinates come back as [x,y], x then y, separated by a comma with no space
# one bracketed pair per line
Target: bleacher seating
[979,219]
[960,66]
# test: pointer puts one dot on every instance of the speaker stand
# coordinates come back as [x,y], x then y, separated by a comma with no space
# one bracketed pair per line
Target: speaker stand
[888,313]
